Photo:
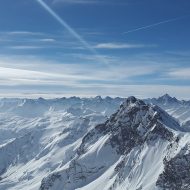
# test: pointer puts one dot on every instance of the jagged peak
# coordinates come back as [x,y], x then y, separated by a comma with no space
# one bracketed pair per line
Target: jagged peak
[98,98]
[108,98]
[41,99]
[131,106]
[134,123]
[132,102]
[131,99]
[167,98]
[137,111]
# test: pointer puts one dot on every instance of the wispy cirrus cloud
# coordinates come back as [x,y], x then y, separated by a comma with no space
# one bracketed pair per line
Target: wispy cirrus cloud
[180,73]
[120,46]
[47,40]
[90,2]
[122,77]
[24,33]
[25,36]
[77,1]
[17,70]
[25,47]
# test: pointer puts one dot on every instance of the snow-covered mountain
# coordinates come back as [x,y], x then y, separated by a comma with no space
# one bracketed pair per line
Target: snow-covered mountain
[180,109]
[131,150]
[38,135]
[38,107]
[96,143]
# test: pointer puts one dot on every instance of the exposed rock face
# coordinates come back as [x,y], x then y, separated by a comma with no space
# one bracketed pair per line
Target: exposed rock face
[133,124]
[48,183]
[176,174]
[122,143]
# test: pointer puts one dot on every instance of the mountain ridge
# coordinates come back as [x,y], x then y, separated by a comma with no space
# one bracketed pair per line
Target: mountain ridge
[119,142]
[91,144]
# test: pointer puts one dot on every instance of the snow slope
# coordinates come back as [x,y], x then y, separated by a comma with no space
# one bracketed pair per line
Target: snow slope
[37,136]
[180,109]
[128,151]
[80,143]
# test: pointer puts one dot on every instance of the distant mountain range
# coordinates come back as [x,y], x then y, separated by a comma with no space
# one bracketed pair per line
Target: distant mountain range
[178,108]
[95,144]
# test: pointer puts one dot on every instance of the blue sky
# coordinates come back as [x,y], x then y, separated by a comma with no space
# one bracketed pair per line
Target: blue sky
[94,47]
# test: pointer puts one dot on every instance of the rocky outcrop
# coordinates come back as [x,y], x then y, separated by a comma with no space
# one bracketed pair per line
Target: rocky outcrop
[176,174]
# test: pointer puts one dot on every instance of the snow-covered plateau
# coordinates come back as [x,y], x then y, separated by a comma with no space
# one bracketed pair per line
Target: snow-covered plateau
[95,144]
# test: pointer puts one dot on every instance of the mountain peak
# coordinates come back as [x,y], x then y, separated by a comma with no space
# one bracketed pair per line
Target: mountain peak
[166,98]
[98,98]
[133,124]
[132,102]
[131,99]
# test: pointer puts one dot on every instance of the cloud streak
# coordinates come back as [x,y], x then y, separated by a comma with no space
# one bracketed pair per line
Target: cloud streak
[16,71]
[180,73]
[47,40]
[90,2]
[70,30]
[77,1]
[26,33]
[24,47]
[120,46]
[156,24]
[122,78]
